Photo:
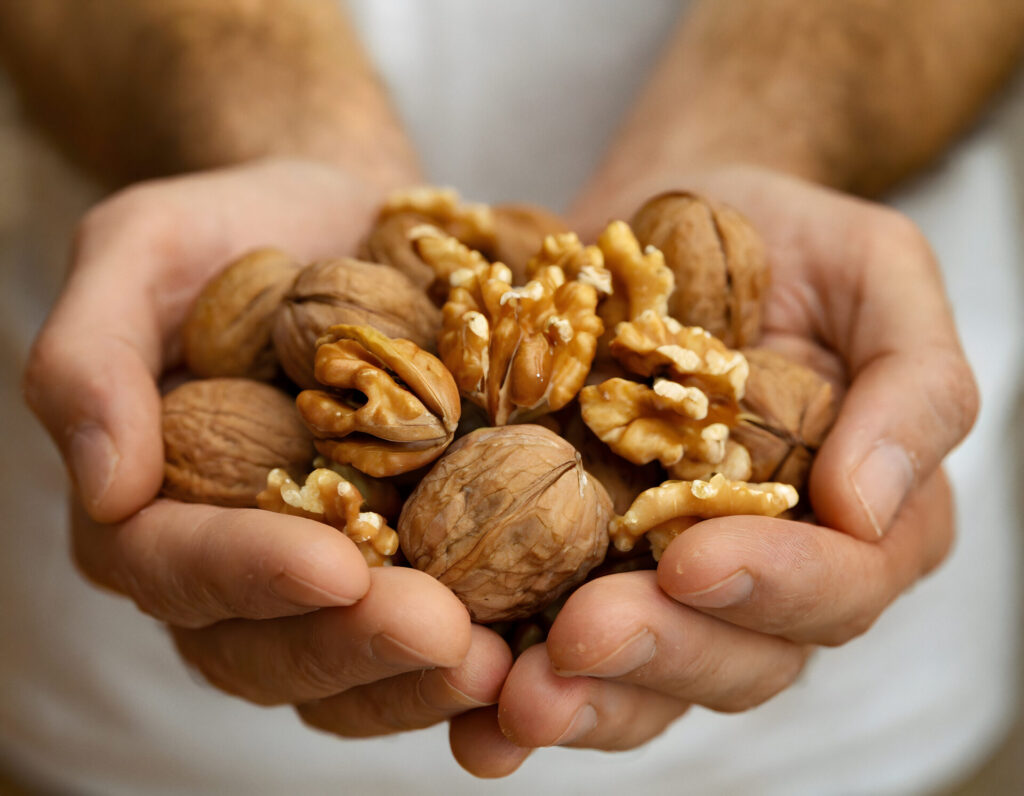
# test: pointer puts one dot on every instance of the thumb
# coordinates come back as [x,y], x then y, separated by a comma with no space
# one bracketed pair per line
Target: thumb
[912,397]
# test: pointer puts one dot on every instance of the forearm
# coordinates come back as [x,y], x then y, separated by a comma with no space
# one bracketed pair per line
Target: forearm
[140,88]
[855,94]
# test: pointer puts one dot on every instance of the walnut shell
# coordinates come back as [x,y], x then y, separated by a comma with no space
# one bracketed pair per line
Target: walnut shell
[351,292]
[227,332]
[223,436]
[786,413]
[508,520]
[718,260]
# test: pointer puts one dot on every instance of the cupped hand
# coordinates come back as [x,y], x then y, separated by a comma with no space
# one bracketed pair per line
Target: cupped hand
[736,603]
[273,608]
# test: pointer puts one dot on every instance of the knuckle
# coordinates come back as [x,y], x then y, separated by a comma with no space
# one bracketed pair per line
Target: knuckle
[956,398]
[896,233]
[139,212]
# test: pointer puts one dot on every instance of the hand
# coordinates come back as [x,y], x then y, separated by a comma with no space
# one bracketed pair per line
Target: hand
[273,608]
[728,619]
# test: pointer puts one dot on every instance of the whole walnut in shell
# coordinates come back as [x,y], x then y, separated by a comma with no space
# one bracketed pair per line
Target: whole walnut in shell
[718,259]
[507,519]
[350,292]
[786,413]
[223,436]
[227,331]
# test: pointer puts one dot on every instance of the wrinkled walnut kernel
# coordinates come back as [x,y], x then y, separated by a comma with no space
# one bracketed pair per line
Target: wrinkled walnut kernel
[518,351]
[329,498]
[718,497]
[390,408]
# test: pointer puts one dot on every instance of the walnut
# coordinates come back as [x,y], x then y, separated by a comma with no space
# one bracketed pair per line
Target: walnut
[390,240]
[473,224]
[346,291]
[222,436]
[508,519]
[653,345]
[718,497]
[390,408]
[585,263]
[519,231]
[787,411]
[444,255]
[227,331]
[665,422]
[622,479]
[718,260]
[640,279]
[735,465]
[328,497]
[518,351]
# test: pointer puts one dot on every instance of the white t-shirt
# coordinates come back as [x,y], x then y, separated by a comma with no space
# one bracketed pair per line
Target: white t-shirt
[512,101]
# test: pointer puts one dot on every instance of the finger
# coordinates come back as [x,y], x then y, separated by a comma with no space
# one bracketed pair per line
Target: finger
[624,628]
[540,708]
[417,699]
[801,581]
[480,747]
[192,565]
[407,621]
[90,380]
[912,396]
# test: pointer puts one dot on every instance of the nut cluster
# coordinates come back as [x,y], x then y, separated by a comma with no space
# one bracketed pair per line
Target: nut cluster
[495,401]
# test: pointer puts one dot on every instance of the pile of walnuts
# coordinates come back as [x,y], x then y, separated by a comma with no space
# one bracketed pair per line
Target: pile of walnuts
[483,396]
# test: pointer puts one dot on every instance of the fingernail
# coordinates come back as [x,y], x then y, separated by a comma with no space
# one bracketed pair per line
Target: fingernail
[301,592]
[726,592]
[635,652]
[392,652]
[881,482]
[93,459]
[582,723]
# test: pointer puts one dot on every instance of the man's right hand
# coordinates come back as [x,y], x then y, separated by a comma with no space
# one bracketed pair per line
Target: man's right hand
[273,608]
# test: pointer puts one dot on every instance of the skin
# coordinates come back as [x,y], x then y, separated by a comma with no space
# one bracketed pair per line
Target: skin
[853,285]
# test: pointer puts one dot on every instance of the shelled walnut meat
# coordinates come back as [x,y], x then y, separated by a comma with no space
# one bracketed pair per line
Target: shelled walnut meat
[508,519]
[385,405]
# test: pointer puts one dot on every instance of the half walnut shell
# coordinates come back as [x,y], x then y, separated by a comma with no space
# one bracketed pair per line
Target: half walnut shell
[389,406]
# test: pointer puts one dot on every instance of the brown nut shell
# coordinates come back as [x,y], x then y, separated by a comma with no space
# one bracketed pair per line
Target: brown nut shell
[718,259]
[223,436]
[786,413]
[508,519]
[347,291]
[227,331]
